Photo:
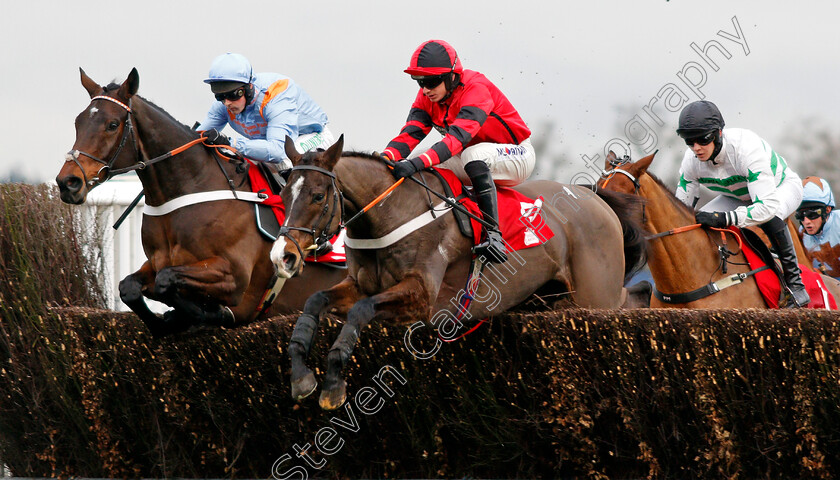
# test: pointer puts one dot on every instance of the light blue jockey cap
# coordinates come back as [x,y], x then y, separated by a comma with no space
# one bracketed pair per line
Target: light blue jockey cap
[230,67]
[817,190]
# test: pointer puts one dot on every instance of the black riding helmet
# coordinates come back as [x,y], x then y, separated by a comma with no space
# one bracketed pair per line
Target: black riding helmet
[701,118]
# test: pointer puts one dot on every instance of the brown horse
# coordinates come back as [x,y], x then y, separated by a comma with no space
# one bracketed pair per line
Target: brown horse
[688,260]
[424,271]
[206,260]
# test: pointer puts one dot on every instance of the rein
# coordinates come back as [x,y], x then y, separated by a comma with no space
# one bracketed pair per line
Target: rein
[711,287]
[128,131]
[449,201]
[338,198]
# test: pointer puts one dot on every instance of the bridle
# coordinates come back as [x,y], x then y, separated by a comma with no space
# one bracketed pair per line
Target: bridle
[615,163]
[107,170]
[337,206]
[107,166]
[607,175]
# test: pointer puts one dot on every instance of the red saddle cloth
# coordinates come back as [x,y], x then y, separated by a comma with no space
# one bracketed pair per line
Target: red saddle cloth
[768,282]
[520,218]
[260,184]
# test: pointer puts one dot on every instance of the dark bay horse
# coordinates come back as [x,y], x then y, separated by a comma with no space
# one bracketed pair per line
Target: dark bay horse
[424,272]
[688,260]
[206,260]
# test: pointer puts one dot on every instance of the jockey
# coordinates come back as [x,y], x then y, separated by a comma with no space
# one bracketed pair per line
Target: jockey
[821,229]
[484,138]
[263,108]
[741,165]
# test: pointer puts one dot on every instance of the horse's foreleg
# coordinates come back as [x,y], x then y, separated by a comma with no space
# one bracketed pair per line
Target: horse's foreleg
[407,298]
[131,294]
[212,277]
[341,297]
[210,280]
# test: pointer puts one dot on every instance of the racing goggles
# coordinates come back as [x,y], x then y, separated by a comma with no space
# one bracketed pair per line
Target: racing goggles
[429,82]
[810,214]
[702,139]
[232,95]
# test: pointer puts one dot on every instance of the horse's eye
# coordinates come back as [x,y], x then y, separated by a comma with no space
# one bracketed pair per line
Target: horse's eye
[113,125]
[318,198]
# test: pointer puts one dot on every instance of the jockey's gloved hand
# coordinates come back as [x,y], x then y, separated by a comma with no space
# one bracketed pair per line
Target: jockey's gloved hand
[715,219]
[406,168]
[214,137]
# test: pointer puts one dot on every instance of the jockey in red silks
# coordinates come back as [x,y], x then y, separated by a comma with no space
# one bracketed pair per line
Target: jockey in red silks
[484,138]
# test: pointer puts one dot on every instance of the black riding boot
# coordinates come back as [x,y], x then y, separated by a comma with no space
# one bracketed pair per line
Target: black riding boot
[493,248]
[779,235]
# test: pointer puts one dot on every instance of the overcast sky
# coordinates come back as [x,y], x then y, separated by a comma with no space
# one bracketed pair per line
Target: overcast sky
[586,67]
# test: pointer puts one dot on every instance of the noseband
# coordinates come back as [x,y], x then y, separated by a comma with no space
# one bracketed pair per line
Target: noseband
[337,205]
[128,131]
[608,174]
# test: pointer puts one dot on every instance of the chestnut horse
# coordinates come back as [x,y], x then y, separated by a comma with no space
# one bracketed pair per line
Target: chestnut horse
[690,259]
[424,270]
[206,260]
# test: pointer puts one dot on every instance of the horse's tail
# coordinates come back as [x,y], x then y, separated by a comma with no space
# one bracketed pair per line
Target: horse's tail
[629,209]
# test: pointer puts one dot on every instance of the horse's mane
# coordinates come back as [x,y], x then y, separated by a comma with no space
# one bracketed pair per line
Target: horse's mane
[368,155]
[114,86]
[670,195]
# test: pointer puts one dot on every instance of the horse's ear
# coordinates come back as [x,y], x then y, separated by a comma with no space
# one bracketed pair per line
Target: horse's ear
[610,158]
[131,84]
[291,151]
[92,87]
[642,164]
[333,154]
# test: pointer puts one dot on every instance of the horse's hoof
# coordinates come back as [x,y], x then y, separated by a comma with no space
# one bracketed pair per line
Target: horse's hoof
[304,386]
[334,398]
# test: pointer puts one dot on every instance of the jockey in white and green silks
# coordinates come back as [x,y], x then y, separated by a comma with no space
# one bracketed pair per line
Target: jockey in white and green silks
[748,169]
[737,163]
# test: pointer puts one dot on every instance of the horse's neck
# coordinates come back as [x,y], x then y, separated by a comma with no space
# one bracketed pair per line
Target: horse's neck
[361,181]
[678,259]
[184,173]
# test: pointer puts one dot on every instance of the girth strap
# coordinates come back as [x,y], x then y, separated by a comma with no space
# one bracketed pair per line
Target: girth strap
[706,290]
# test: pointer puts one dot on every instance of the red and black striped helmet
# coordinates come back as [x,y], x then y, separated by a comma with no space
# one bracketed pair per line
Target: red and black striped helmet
[434,57]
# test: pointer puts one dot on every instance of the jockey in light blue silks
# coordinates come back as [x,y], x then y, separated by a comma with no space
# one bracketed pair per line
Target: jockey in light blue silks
[741,165]
[263,108]
[821,229]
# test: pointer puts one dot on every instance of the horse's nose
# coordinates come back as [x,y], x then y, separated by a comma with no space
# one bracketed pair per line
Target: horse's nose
[70,188]
[290,263]
[286,262]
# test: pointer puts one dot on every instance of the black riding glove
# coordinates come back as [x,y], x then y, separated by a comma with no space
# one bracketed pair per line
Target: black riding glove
[213,137]
[715,219]
[406,168]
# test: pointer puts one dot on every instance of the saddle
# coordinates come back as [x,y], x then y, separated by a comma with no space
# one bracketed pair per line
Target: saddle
[267,222]
[520,218]
[464,221]
[769,284]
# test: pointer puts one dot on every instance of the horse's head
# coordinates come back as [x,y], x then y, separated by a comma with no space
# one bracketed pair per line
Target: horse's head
[102,132]
[313,206]
[622,175]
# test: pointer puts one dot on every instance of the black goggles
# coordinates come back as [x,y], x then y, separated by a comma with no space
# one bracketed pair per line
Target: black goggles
[810,214]
[232,95]
[702,140]
[429,82]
